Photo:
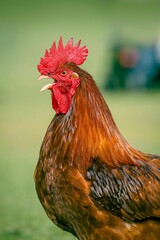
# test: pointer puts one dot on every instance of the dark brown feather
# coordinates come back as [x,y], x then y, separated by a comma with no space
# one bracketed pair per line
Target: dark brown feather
[128,191]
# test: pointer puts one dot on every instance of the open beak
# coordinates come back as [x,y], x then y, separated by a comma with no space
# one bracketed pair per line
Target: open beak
[48,86]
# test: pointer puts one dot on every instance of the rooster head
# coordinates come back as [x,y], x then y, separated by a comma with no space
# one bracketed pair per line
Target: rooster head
[56,65]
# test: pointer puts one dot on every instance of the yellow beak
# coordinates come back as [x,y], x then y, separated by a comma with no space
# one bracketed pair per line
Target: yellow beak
[42,77]
[47,87]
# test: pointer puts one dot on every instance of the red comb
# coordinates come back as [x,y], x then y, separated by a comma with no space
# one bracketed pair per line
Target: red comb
[56,56]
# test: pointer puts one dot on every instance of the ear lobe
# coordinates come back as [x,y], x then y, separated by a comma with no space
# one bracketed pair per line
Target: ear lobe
[74,75]
[75,84]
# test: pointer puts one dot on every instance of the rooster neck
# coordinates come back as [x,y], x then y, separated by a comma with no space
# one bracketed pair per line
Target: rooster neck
[88,131]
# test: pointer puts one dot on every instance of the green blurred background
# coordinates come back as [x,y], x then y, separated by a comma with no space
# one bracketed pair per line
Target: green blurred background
[27,28]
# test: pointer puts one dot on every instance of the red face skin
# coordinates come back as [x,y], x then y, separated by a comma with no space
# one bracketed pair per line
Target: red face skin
[57,64]
[63,88]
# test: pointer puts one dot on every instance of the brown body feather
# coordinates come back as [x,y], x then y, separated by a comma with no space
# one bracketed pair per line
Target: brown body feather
[90,181]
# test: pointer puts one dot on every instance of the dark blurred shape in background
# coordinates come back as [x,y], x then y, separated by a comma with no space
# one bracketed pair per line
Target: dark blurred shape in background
[134,66]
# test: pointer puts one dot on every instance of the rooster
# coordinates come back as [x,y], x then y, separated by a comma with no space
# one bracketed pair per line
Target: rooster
[89,180]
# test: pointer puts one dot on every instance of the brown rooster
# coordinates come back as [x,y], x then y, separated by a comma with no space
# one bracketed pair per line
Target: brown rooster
[90,181]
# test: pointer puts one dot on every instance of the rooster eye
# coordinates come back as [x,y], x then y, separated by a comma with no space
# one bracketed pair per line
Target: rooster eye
[64,73]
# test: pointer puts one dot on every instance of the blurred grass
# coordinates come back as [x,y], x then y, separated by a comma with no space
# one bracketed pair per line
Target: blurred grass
[27,29]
